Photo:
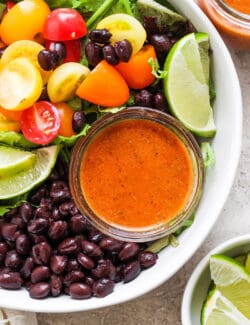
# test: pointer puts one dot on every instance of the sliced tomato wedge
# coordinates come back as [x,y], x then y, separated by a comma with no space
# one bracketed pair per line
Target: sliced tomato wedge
[40,123]
[64,24]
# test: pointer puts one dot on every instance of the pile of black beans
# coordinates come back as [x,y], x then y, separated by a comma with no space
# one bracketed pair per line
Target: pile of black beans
[99,48]
[47,246]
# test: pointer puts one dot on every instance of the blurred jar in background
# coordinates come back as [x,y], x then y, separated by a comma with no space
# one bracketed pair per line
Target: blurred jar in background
[232,19]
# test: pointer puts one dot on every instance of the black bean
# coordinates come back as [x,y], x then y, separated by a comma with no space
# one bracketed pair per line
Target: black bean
[68,208]
[110,244]
[58,263]
[93,53]
[21,224]
[143,98]
[162,45]
[110,55]
[129,250]
[38,226]
[42,212]
[39,290]
[41,253]
[44,94]
[131,271]
[79,290]
[56,214]
[78,121]
[150,25]
[57,230]
[104,269]
[85,261]
[73,265]
[8,231]
[23,244]
[103,287]
[11,281]
[95,235]
[59,49]
[101,36]
[91,249]
[56,285]
[77,224]
[27,267]
[39,194]
[36,239]
[73,276]
[13,260]
[3,251]
[39,274]
[89,281]
[26,211]
[147,259]
[47,60]
[68,246]
[123,50]
[160,102]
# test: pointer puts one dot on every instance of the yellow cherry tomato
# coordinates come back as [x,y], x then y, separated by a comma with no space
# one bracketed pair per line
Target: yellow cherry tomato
[8,125]
[123,26]
[20,84]
[24,21]
[65,80]
[27,49]
[66,115]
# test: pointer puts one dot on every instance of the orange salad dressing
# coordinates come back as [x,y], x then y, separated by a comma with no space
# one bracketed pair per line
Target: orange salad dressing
[240,5]
[136,173]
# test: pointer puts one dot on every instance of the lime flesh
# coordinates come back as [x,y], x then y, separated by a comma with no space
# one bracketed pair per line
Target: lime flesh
[233,281]
[186,85]
[218,310]
[24,181]
[13,161]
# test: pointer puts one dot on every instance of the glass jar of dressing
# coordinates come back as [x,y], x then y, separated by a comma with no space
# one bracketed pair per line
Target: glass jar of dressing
[232,19]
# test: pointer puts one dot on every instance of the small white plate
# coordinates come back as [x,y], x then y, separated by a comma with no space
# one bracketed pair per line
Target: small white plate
[227,143]
[198,284]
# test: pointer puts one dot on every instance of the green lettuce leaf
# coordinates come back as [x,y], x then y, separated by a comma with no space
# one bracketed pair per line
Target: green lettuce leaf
[208,154]
[7,205]
[70,141]
[16,139]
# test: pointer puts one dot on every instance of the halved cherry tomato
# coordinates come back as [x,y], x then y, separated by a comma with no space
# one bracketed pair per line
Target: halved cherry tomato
[40,123]
[137,71]
[66,115]
[104,86]
[11,115]
[64,24]
[24,21]
[8,125]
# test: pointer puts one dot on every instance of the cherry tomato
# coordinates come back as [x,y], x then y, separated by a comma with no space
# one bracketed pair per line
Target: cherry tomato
[24,21]
[64,24]
[40,123]
[11,115]
[9,5]
[8,125]
[66,115]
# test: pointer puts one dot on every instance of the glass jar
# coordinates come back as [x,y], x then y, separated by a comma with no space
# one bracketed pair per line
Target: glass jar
[139,234]
[233,24]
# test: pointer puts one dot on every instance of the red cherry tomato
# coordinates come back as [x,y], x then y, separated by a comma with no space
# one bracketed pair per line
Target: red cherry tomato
[9,5]
[64,24]
[40,123]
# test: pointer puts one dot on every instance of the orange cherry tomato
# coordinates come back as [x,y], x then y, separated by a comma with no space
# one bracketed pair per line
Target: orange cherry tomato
[24,21]
[11,115]
[8,125]
[66,115]
[104,86]
[137,71]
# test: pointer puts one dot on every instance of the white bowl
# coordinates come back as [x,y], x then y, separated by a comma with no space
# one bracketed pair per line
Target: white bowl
[198,284]
[227,143]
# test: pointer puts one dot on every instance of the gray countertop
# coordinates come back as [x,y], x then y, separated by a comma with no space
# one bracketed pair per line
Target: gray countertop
[163,305]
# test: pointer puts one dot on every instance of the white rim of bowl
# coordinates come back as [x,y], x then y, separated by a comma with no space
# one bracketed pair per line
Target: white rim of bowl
[200,268]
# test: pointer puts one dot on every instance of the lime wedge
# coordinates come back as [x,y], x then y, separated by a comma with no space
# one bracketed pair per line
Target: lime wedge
[13,161]
[232,280]
[218,310]
[165,17]
[24,181]
[203,42]
[186,86]
[247,263]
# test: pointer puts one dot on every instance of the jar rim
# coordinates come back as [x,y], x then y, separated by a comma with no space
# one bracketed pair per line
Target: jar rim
[136,234]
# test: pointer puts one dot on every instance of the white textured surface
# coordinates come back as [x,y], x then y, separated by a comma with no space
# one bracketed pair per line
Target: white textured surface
[162,306]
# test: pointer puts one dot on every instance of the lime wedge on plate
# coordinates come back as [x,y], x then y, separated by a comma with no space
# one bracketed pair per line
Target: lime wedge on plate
[24,181]
[186,85]
[203,42]
[233,281]
[247,263]
[12,160]
[217,310]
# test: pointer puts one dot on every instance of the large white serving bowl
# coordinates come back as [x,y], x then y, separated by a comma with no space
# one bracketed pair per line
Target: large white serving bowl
[227,143]
[198,284]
